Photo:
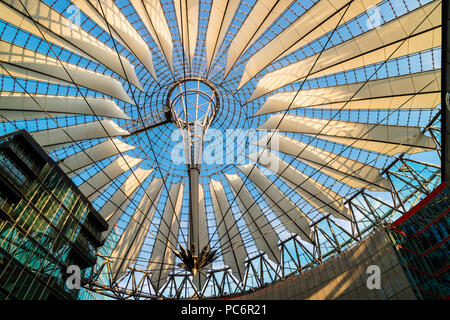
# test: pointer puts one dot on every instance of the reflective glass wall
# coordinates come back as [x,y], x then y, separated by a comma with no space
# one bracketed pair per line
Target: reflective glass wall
[46,224]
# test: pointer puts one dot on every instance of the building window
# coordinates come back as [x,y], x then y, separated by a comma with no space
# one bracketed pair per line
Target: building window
[14,174]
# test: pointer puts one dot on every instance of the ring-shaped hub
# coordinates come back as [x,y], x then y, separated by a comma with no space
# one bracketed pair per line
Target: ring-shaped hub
[192,101]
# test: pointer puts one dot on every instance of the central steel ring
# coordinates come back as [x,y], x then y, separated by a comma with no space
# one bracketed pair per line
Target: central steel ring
[192,100]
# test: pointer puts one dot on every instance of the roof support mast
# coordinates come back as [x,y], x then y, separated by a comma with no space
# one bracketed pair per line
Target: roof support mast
[193,104]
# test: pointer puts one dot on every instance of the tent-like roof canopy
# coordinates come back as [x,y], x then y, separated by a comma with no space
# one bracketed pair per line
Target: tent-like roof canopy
[325,125]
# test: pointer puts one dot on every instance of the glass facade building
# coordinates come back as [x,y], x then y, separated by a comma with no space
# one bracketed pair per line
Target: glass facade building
[46,224]
[422,235]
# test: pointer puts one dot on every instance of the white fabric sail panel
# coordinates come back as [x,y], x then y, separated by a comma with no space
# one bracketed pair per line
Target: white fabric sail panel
[320,19]
[109,17]
[265,237]
[262,15]
[187,12]
[117,203]
[281,101]
[377,45]
[112,221]
[354,9]
[127,249]
[201,239]
[90,188]
[65,33]
[52,139]
[409,101]
[351,172]
[381,138]
[203,224]
[162,260]
[23,63]
[220,17]
[419,42]
[293,219]
[79,161]
[21,106]
[417,90]
[231,243]
[152,16]
[318,195]
[94,186]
